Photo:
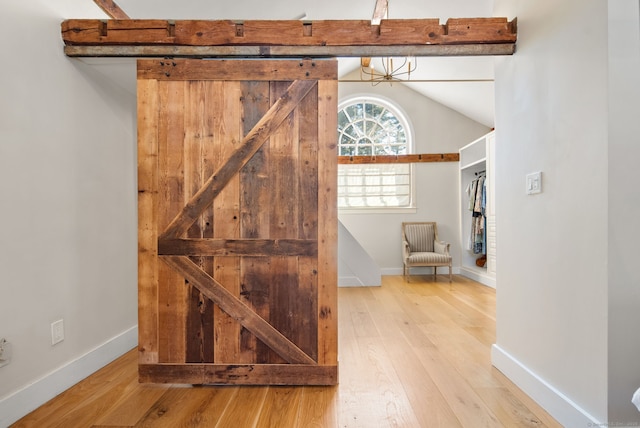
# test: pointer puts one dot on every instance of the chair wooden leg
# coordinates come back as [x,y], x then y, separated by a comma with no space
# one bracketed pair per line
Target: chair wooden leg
[435,272]
[450,278]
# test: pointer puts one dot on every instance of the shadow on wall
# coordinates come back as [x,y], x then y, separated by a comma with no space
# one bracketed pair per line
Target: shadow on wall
[356,268]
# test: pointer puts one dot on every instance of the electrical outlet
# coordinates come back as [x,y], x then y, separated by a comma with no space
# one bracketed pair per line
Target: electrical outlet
[5,352]
[57,332]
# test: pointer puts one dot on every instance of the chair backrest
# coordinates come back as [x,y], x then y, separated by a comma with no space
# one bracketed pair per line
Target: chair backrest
[420,236]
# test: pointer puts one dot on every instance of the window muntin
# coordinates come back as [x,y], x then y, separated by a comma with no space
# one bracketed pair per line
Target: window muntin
[368,127]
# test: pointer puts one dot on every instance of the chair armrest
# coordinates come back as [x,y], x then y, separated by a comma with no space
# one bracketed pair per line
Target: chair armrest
[441,247]
[406,250]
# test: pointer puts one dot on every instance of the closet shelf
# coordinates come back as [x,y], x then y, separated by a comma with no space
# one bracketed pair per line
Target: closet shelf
[472,164]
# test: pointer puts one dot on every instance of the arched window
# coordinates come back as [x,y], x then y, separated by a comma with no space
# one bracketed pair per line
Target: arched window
[370,126]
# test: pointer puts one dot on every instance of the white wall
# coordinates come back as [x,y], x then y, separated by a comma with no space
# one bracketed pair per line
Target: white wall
[68,198]
[356,268]
[558,334]
[624,232]
[438,129]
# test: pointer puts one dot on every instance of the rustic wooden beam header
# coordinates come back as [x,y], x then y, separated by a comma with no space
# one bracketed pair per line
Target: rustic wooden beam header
[199,38]
[287,51]
[417,158]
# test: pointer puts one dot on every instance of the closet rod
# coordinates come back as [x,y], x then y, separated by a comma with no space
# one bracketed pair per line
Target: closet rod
[480,172]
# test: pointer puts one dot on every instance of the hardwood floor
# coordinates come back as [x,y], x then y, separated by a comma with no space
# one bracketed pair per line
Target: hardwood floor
[412,354]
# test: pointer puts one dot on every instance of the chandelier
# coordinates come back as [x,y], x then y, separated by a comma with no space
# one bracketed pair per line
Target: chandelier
[387,71]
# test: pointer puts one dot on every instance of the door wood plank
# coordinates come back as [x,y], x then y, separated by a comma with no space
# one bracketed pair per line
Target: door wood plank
[284,214]
[226,218]
[147,220]
[254,177]
[172,294]
[249,146]
[199,138]
[307,165]
[304,299]
[328,218]
[238,310]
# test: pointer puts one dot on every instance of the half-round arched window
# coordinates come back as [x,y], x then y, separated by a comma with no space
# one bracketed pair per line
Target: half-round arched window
[370,126]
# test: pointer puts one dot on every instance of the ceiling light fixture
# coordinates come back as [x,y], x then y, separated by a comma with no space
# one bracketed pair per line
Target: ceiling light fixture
[387,71]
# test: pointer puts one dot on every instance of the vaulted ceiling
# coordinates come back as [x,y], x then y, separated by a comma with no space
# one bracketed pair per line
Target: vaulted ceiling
[455,82]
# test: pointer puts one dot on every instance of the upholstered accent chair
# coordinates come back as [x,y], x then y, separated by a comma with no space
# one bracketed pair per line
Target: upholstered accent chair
[421,247]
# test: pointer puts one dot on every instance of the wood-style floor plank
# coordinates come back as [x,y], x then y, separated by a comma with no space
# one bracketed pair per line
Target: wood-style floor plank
[244,410]
[281,407]
[412,354]
[132,406]
[318,407]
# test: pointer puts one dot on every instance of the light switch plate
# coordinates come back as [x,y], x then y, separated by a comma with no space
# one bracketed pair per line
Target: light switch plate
[534,183]
[57,332]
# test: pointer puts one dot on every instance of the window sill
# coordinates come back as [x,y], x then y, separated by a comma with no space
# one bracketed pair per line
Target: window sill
[349,211]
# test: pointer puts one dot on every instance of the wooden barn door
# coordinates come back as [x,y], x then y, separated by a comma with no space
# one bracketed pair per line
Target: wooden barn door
[237,221]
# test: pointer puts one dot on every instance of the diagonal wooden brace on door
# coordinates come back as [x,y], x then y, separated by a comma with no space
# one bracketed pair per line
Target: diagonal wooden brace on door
[249,146]
[238,310]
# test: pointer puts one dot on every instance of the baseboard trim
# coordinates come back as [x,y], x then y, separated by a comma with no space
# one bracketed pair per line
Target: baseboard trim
[350,281]
[558,405]
[419,271]
[482,278]
[32,396]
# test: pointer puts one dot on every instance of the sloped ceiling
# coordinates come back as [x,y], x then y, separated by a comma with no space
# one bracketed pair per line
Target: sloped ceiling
[453,87]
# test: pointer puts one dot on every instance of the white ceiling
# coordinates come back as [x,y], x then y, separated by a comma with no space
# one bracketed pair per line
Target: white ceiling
[473,99]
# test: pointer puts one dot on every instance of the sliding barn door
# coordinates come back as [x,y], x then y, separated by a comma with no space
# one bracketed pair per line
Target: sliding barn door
[237,221]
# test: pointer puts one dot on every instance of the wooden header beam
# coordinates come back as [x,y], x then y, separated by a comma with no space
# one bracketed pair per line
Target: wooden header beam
[418,158]
[197,38]
[287,51]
